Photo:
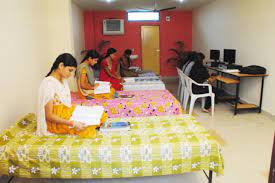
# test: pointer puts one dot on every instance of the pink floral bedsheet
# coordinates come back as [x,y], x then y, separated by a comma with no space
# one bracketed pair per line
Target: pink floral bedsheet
[143,103]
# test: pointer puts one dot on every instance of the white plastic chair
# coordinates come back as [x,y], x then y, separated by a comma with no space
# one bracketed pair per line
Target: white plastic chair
[184,94]
[189,82]
[180,89]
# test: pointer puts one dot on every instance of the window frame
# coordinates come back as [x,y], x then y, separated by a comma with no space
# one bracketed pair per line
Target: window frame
[143,20]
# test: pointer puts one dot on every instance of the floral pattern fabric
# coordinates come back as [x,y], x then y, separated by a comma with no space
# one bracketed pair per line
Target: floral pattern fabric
[154,146]
[143,103]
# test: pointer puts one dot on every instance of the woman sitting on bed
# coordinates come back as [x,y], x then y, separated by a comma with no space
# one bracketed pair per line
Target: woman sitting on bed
[110,70]
[54,101]
[86,79]
[125,63]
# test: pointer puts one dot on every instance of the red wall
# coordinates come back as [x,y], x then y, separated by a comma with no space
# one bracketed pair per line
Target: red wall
[179,28]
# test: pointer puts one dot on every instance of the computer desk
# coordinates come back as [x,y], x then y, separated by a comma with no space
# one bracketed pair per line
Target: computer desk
[237,80]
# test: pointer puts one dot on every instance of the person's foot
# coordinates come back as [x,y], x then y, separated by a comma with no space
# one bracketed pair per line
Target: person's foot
[206,110]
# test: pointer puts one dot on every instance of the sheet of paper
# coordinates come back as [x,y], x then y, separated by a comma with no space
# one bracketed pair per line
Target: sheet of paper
[104,87]
[90,115]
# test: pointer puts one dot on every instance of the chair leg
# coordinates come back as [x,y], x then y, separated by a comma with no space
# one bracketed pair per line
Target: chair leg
[212,104]
[192,103]
[185,101]
[179,90]
[181,94]
[203,102]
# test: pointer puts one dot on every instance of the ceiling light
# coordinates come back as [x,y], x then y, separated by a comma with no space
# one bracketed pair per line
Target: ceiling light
[181,1]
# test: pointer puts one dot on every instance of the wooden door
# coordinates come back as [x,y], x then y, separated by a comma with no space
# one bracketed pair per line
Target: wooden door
[150,48]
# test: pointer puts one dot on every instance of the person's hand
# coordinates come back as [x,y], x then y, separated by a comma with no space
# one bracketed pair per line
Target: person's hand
[79,126]
[122,80]
[96,85]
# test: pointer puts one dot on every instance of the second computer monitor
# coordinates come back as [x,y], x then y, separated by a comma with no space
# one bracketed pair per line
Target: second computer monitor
[229,56]
[215,55]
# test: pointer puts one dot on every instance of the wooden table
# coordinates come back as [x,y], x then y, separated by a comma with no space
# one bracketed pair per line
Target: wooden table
[235,78]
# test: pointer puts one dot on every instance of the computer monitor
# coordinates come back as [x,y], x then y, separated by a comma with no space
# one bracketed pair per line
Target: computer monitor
[229,56]
[215,55]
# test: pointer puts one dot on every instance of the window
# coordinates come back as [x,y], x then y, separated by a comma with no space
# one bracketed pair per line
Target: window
[143,16]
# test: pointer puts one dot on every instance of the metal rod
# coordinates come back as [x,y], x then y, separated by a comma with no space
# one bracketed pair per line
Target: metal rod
[205,174]
[9,181]
[261,98]
[210,176]
[237,98]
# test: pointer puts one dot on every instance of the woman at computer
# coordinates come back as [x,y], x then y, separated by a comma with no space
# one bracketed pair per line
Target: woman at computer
[200,74]
[190,62]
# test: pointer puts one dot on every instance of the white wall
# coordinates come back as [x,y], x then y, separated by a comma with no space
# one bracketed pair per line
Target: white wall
[78,31]
[247,26]
[78,37]
[32,34]
[59,27]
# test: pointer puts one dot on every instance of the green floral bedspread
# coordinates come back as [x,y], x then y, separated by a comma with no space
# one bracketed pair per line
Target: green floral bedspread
[154,146]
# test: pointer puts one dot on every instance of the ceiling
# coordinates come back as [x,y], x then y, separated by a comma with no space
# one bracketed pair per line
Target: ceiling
[136,4]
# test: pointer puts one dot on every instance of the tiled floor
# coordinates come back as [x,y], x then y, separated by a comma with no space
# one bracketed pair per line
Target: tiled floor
[247,140]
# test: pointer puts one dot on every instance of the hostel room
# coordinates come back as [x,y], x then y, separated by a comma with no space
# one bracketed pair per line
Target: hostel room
[137,91]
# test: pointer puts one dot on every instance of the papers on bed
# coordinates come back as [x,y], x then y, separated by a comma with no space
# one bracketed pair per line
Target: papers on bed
[90,115]
[104,87]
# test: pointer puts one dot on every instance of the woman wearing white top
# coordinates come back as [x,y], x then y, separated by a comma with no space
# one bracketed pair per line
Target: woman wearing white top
[54,101]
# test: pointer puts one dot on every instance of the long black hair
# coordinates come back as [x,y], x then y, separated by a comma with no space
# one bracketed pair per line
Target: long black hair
[66,58]
[91,53]
[110,51]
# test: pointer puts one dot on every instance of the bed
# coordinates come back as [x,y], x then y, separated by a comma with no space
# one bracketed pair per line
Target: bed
[155,146]
[143,103]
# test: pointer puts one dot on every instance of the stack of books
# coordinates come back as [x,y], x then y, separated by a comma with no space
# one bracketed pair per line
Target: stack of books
[115,126]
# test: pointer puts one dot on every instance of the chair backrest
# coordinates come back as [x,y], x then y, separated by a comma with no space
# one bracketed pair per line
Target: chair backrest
[181,77]
[188,83]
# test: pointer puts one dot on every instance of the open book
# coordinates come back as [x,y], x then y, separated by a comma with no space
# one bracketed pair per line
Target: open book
[104,87]
[90,115]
